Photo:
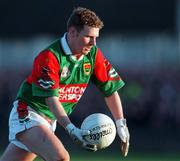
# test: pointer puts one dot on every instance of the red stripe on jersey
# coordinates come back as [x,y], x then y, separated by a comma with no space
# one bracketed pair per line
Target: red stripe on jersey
[100,70]
[115,79]
[102,67]
[22,110]
[45,71]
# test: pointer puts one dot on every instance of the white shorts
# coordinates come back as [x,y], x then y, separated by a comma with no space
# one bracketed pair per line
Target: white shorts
[17,125]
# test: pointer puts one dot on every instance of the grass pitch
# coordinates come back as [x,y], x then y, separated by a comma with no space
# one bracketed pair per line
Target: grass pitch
[111,156]
[114,155]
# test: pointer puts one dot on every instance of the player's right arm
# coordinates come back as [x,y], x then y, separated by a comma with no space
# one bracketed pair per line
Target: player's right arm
[76,134]
[57,109]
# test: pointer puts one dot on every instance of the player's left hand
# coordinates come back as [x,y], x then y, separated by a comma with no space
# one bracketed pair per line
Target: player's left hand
[78,136]
[124,135]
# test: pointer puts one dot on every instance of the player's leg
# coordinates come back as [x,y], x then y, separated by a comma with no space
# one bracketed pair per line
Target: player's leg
[14,153]
[43,142]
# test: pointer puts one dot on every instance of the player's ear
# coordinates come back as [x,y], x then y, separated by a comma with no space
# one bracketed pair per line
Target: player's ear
[72,32]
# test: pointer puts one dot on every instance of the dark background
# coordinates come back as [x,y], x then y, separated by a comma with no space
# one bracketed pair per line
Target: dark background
[22,18]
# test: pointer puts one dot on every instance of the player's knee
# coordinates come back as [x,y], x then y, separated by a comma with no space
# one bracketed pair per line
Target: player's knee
[65,157]
[61,157]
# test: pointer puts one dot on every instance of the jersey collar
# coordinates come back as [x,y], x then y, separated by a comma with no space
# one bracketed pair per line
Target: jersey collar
[65,45]
[67,50]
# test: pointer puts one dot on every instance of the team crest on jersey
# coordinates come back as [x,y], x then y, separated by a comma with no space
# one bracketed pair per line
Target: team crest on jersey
[65,72]
[87,68]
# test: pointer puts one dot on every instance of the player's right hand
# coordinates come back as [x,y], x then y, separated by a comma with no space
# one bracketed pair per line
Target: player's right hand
[78,136]
[89,147]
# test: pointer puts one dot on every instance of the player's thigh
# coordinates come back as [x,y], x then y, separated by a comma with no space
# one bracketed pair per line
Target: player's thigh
[14,153]
[44,143]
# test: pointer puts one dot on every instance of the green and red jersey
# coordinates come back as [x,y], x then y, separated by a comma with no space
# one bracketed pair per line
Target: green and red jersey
[56,72]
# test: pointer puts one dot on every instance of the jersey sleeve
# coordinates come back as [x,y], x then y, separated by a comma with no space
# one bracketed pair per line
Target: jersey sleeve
[105,76]
[45,75]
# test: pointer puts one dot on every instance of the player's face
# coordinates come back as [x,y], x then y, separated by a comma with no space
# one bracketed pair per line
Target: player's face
[85,39]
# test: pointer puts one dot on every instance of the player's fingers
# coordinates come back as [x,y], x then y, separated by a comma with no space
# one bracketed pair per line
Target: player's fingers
[90,147]
[85,132]
[125,148]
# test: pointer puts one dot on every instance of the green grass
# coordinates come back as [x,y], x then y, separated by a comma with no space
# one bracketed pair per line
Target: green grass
[111,156]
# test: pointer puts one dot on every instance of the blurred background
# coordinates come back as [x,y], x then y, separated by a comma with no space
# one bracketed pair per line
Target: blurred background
[141,40]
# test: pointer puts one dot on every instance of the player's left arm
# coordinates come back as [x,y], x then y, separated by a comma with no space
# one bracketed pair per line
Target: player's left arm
[109,82]
[115,106]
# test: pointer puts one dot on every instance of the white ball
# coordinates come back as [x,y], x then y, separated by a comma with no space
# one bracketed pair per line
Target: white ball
[102,128]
